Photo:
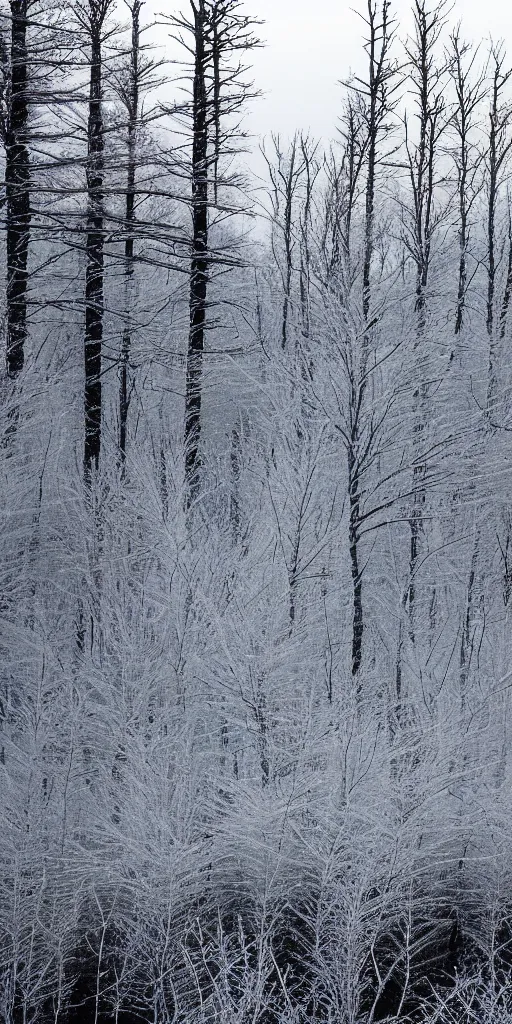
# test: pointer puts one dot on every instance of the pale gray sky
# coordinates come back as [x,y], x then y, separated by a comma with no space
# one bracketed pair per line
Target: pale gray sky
[311,44]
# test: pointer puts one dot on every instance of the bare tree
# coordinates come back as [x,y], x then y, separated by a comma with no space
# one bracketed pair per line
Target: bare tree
[428,83]
[291,175]
[92,17]
[378,96]
[131,97]
[15,115]
[343,185]
[199,258]
[131,84]
[216,33]
[466,157]
[498,151]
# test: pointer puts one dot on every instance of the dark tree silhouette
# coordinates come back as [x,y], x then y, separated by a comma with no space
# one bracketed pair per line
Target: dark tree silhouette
[17,184]
[92,15]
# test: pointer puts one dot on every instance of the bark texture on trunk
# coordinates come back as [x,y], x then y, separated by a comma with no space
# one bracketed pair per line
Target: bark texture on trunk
[17,182]
[94,256]
[199,258]
[356,572]
[132,101]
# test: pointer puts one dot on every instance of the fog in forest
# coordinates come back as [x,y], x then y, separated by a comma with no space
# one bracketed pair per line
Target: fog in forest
[255,513]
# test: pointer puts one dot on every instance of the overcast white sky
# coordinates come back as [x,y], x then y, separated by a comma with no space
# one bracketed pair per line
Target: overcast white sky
[311,44]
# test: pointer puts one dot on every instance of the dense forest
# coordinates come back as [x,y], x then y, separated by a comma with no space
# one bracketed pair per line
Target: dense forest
[256,526]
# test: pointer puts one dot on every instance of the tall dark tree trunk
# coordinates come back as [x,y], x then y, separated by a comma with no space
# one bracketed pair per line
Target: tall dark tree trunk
[491,235]
[311,172]
[236,467]
[217,29]
[377,103]
[199,259]
[356,571]
[468,97]
[94,273]
[463,273]
[500,147]
[132,104]
[428,89]
[290,182]
[17,181]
